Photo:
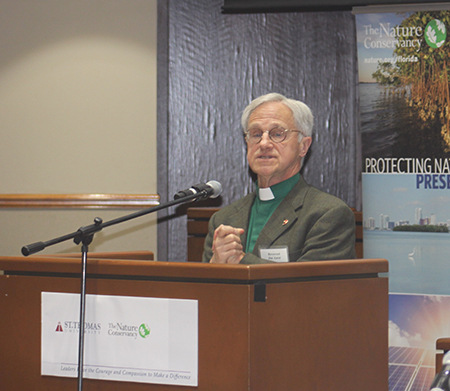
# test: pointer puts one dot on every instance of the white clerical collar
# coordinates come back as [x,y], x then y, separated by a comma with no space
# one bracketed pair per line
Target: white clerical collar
[266,194]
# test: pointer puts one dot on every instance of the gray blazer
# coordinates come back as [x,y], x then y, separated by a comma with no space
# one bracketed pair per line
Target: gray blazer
[313,224]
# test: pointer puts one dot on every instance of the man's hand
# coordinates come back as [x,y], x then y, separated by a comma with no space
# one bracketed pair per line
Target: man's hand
[227,246]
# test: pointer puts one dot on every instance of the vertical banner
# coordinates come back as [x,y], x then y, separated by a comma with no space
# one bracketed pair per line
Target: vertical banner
[404,62]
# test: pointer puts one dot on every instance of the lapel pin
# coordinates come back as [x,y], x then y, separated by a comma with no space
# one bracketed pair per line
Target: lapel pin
[285,222]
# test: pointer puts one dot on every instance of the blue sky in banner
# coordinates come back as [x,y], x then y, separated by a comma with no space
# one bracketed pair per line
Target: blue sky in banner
[397,196]
[418,320]
[367,57]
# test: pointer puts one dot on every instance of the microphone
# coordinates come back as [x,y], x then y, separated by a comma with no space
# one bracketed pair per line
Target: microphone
[441,381]
[209,189]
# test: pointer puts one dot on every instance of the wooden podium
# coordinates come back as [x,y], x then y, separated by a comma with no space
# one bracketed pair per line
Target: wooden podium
[298,326]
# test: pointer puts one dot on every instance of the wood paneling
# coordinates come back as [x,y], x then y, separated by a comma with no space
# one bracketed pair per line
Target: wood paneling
[78,201]
[314,313]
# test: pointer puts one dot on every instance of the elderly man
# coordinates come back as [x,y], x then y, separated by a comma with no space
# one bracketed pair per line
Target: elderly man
[285,219]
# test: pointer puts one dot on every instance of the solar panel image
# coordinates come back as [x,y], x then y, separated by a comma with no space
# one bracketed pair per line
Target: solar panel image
[401,355]
[410,369]
[430,359]
[399,377]
[423,379]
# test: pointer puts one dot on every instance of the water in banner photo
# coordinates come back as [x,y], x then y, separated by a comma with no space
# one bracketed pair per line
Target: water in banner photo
[404,62]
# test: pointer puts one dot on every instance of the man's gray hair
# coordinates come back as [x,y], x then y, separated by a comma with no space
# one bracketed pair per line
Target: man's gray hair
[302,114]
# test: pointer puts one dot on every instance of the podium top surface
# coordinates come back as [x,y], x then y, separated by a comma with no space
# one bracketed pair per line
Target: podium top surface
[114,268]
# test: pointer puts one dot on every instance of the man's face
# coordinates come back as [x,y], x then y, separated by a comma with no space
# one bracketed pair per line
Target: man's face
[275,162]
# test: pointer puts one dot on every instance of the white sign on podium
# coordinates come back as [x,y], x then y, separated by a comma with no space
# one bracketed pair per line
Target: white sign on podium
[134,339]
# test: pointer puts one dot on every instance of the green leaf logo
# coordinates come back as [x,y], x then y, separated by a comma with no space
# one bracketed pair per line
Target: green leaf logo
[435,33]
[144,330]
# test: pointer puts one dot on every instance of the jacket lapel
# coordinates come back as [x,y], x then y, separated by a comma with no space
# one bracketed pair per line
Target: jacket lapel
[241,216]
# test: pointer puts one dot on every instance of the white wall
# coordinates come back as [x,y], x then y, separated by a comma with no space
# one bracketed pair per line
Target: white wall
[77,115]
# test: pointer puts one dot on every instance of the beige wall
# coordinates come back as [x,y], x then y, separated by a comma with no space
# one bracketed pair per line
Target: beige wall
[77,115]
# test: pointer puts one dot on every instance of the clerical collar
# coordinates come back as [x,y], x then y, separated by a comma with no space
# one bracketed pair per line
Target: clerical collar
[266,194]
[280,190]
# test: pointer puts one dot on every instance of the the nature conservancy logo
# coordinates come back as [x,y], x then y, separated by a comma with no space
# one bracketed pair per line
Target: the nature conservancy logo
[119,329]
[387,36]
[435,33]
[144,330]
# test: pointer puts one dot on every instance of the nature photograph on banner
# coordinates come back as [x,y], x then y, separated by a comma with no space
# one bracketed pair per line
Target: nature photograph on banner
[404,91]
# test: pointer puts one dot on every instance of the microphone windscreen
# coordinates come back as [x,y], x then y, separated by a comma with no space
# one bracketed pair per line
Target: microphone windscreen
[217,187]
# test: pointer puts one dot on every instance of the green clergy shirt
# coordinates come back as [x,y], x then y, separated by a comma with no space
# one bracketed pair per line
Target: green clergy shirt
[262,210]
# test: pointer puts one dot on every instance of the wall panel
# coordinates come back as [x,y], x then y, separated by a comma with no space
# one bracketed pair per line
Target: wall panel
[214,65]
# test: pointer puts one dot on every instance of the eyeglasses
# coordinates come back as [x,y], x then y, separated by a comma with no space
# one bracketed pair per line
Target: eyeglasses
[277,135]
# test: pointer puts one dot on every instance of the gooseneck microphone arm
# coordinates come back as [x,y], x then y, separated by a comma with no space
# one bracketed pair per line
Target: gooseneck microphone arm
[98,225]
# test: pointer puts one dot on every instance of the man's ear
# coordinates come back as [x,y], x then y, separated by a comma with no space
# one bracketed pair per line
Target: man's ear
[304,146]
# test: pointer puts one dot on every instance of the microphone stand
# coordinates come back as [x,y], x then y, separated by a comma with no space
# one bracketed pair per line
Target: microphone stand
[85,235]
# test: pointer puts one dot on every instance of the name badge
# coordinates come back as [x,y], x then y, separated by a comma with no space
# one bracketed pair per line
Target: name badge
[275,254]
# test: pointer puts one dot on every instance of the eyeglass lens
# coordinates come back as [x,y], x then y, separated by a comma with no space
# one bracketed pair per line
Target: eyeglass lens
[277,135]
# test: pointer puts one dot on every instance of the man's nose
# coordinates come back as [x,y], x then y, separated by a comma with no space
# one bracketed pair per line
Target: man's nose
[265,139]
